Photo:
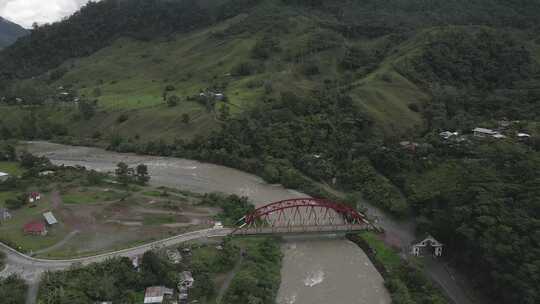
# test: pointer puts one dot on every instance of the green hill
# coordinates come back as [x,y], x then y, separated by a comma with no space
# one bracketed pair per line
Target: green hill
[124,54]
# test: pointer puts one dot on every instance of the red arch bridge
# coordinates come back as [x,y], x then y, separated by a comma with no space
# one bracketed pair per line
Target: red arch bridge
[302,215]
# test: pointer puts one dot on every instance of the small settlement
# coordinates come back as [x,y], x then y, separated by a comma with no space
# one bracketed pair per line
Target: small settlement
[162,294]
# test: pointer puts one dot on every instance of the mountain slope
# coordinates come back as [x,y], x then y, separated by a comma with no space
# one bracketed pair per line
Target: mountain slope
[10,32]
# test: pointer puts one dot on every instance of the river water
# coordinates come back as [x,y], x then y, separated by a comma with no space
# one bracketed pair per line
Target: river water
[316,269]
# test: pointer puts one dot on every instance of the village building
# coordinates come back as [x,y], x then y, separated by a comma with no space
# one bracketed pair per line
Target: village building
[448,134]
[185,280]
[218,225]
[157,294]
[183,297]
[35,228]
[34,197]
[49,218]
[186,251]
[4,214]
[219,96]
[523,136]
[136,262]
[46,173]
[483,132]
[3,176]
[428,243]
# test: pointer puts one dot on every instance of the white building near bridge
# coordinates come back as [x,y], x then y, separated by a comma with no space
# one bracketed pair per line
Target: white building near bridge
[429,242]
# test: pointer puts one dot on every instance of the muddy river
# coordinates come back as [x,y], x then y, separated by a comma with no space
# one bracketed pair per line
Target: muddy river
[316,270]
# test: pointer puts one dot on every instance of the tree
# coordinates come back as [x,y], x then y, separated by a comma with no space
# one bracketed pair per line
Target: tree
[123,174]
[87,108]
[185,118]
[224,112]
[173,101]
[142,174]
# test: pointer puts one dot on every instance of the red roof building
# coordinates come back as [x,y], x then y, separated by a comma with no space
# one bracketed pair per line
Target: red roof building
[34,197]
[35,228]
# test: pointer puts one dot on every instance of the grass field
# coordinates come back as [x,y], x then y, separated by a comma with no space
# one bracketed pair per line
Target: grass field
[12,168]
[12,230]
[99,219]
[386,255]
[87,196]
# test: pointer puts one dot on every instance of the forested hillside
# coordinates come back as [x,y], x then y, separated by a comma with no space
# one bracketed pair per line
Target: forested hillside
[344,94]
[9,32]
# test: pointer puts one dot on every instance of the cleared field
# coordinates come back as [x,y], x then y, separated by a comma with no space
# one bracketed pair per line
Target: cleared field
[93,220]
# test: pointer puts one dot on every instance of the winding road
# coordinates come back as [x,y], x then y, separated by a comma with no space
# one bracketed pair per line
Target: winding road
[30,268]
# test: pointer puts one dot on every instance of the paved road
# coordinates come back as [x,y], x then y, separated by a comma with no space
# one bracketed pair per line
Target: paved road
[31,268]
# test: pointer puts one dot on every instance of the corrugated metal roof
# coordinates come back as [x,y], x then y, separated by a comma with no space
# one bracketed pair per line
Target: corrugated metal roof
[155,294]
[49,217]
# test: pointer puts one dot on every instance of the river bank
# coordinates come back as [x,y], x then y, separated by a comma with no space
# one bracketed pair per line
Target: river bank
[313,271]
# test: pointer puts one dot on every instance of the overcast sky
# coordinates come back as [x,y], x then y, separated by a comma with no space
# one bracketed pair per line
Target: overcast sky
[26,12]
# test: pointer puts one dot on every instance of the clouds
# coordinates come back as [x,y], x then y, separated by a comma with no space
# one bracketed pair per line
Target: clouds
[26,12]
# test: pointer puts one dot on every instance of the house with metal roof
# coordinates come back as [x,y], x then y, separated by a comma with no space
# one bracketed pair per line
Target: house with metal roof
[3,176]
[157,294]
[49,218]
[186,280]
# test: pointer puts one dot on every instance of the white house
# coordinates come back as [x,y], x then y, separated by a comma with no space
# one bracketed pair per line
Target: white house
[427,242]
[521,135]
[3,176]
[448,134]
[156,294]
[483,132]
[218,225]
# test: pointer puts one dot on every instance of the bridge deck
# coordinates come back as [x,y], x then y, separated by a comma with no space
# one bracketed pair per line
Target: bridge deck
[300,229]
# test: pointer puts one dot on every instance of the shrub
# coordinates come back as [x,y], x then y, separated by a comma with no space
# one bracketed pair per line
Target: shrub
[122,118]
[173,101]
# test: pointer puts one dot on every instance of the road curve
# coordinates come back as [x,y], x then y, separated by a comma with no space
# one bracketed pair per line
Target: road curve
[30,268]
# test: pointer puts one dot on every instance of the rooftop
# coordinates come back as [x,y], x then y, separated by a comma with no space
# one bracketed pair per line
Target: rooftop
[36,226]
[484,130]
[49,217]
[155,294]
